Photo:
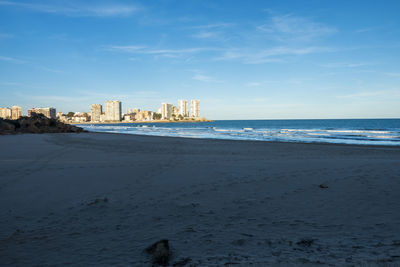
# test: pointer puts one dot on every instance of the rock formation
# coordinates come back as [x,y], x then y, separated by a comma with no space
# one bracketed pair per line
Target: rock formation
[160,252]
[37,123]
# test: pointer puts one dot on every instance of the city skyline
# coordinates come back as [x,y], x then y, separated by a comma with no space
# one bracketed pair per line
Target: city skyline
[113,112]
[275,60]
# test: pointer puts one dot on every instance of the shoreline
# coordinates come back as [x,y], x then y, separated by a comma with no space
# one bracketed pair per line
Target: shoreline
[255,141]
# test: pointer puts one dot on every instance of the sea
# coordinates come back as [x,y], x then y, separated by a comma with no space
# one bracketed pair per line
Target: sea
[339,131]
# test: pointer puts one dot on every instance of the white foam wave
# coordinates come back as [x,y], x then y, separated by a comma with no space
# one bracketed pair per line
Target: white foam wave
[350,136]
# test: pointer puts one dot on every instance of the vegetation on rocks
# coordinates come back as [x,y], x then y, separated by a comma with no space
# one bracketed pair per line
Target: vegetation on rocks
[37,123]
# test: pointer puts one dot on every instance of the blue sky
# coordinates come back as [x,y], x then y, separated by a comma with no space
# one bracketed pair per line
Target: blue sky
[242,59]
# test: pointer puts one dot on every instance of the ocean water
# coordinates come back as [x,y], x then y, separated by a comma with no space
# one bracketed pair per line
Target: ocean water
[343,131]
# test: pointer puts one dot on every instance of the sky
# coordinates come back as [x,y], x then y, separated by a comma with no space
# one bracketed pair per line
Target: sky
[241,59]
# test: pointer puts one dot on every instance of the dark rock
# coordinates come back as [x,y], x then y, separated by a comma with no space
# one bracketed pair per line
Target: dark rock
[37,123]
[323,186]
[6,127]
[160,252]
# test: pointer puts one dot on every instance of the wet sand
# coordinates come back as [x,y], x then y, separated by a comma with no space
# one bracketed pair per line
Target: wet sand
[101,199]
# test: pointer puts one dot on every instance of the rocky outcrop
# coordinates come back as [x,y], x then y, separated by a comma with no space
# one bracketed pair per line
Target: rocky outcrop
[160,252]
[37,123]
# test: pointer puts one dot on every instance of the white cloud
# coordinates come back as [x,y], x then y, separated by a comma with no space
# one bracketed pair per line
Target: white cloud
[393,74]
[71,9]
[288,28]
[203,78]
[369,29]
[252,84]
[11,59]
[275,54]
[391,94]
[206,35]
[344,65]
[126,48]
[212,31]
[212,26]
[170,53]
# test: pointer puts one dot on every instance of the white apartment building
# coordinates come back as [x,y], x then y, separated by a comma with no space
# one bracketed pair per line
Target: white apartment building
[195,108]
[5,113]
[183,108]
[95,112]
[113,110]
[16,112]
[166,111]
[48,112]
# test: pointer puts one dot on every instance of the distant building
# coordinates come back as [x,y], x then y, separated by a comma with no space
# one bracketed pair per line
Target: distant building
[80,117]
[95,112]
[16,112]
[166,111]
[103,117]
[132,110]
[183,108]
[5,113]
[48,112]
[144,115]
[195,108]
[62,117]
[113,110]
[128,118]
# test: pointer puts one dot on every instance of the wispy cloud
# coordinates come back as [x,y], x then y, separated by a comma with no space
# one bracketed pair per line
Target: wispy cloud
[368,29]
[171,53]
[74,9]
[289,28]
[206,35]
[212,26]
[35,65]
[344,65]
[204,78]
[50,69]
[212,31]
[275,54]
[393,74]
[12,60]
[373,94]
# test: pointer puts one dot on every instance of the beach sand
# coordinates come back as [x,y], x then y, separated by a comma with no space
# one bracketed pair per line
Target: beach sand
[101,199]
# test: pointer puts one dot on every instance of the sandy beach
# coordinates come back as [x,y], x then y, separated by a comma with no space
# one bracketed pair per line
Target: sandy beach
[100,199]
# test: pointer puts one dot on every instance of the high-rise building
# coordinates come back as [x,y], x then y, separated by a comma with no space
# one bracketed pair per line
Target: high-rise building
[95,112]
[5,113]
[166,111]
[195,108]
[183,108]
[16,112]
[48,112]
[113,110]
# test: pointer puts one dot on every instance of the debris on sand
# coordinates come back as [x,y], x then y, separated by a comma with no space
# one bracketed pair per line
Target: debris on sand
[160,252]
[98,200]
[323,186]
[306,242]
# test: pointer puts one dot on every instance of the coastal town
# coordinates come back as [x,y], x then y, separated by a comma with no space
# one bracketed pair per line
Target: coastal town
[112,113]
